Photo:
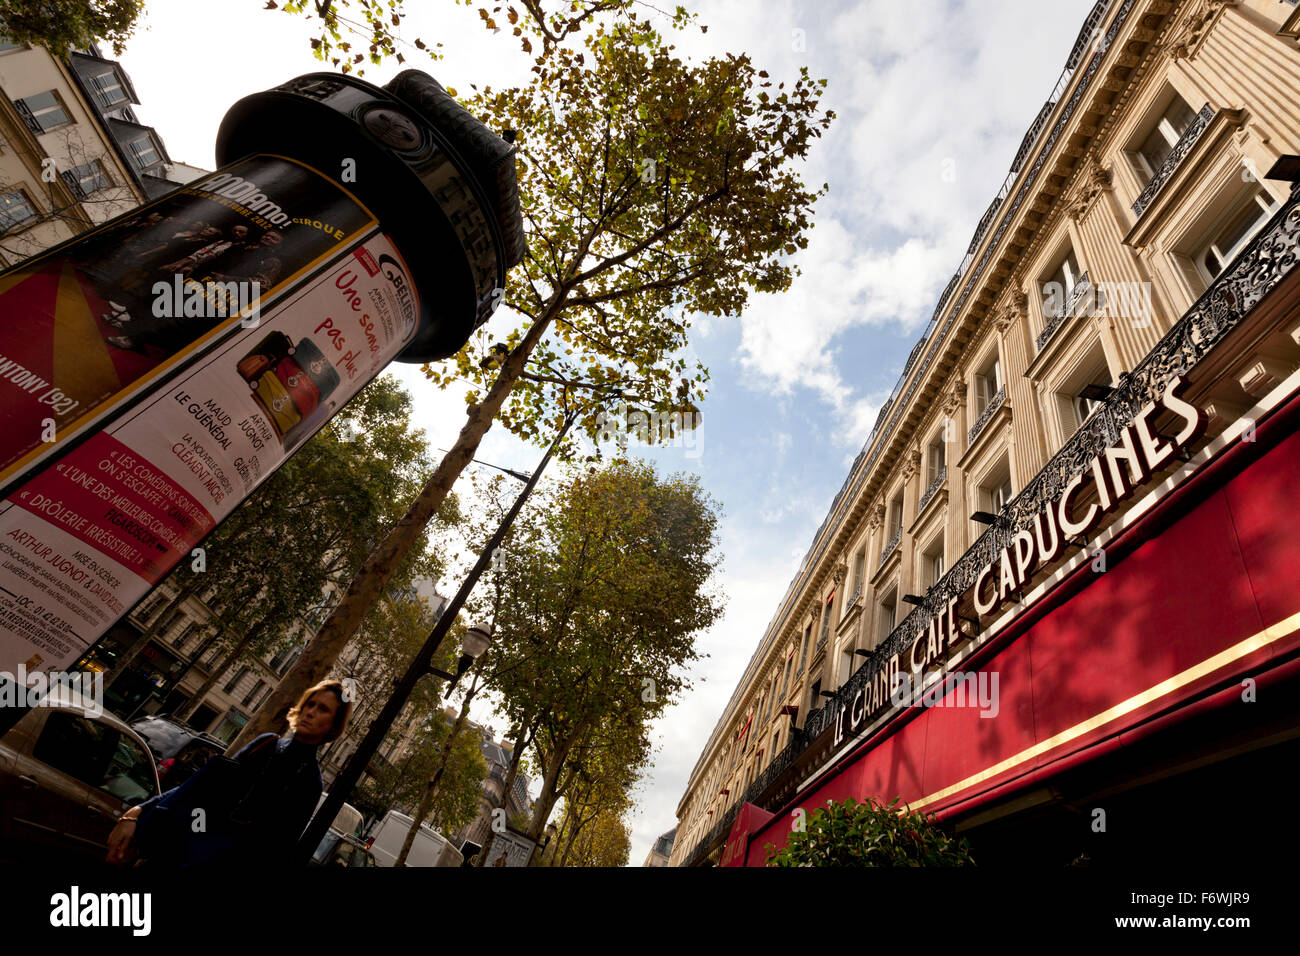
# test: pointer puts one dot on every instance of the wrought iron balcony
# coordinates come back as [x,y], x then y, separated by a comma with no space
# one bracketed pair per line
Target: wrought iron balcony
[1257,270]
[933,489]
[894,538]
[1176,155]
[990,410]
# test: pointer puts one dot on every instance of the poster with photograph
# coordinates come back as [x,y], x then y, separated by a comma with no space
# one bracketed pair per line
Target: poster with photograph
[95,324]
[83,541]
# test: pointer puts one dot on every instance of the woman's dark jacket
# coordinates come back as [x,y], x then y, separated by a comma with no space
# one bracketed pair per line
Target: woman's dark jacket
[277,808]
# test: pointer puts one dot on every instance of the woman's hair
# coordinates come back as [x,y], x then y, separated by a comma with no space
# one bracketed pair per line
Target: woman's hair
[340,716]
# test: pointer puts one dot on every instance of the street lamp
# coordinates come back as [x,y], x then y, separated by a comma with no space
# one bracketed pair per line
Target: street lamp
[351,773]
[472,645]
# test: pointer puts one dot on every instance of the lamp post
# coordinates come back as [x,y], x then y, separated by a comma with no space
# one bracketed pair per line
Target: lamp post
[343,784]
[472,645]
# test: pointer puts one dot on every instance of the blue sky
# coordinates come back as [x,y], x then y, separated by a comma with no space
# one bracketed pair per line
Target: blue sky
[932,100]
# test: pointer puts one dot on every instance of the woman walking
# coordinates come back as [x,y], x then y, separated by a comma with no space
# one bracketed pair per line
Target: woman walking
[253,808]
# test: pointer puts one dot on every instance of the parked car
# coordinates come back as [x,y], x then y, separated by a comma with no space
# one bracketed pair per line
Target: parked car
[179,749]
[337,850]
[344,831]
[67,772]
[430,848]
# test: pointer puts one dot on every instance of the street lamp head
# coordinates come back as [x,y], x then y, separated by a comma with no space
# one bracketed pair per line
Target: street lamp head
[476,640]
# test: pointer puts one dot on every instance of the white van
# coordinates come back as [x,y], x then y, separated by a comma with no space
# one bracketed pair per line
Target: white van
[430,848]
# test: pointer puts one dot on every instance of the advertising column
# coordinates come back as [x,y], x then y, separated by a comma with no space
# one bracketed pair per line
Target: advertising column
[156,371]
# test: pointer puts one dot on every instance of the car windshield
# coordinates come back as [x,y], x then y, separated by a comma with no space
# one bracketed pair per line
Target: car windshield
[164,738]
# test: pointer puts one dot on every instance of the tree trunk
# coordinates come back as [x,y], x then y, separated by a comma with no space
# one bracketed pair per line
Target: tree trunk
[187,710]
[147,635]
[426,801]
[546,799]
[367,586]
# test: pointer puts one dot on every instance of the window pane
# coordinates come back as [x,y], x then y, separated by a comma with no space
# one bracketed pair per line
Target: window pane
[79,747]
[130,775]
[14,210]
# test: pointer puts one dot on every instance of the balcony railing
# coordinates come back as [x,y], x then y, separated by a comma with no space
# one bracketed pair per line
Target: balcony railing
[1176,155]
[894,538]
[1256,271]
[990,410]
[933,489]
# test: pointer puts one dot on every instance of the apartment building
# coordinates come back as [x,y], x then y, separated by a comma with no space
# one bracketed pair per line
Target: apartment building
[1059,584]
[515,803]
[73,153]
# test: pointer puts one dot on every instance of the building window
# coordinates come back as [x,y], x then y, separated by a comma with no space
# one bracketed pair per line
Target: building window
[934,461]
[932,563]
[888,615]
[846,663]
[257,689]
[143,153]
[1059,289]
[1088,398]
[826,620]
[988,381]
[997,493]
[896,515]
[108,89]
[43,112]
[239,675]
[183,637]
[859,570]
[15,209]
[1230,239]
[785,684]
[1159,143]
[86,179]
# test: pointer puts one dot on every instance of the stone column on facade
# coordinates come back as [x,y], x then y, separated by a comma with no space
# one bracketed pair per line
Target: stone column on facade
[911,496]
[954,434]
[1011,324]
[1124,301]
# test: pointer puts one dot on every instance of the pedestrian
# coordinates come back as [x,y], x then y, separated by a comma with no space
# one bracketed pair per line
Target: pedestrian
[254,806]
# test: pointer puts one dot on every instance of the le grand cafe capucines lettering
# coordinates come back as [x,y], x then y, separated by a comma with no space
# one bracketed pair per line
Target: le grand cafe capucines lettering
[1115,474]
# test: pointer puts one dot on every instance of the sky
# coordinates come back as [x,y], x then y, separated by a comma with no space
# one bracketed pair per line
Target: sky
[932,99]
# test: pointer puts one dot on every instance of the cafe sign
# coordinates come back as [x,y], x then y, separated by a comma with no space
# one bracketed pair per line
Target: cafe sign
[1112,476]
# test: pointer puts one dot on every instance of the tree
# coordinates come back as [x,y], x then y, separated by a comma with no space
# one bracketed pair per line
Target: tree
[653,189]
[607,841]
[463,769]
[848,833]
[66,24]
[374,26]
[604,589]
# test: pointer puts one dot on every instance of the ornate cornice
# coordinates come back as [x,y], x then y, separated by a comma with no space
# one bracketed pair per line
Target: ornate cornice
[1095,181]
[1184,40]
[912,463]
